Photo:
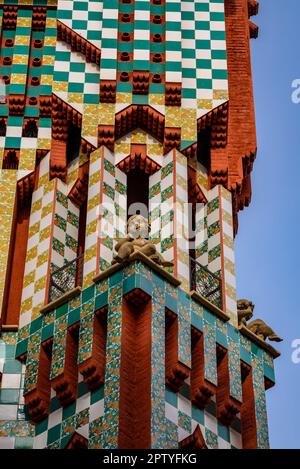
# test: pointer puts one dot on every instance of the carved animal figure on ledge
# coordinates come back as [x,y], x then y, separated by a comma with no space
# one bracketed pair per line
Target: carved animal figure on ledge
[245,311]
[138,230]
[262,330]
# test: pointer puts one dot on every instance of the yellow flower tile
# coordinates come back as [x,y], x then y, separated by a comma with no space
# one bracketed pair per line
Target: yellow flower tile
[24,22]
[75,98]
[94,202]
[92,227]
[95,178]
[28,279]
[18,79]
[47,80]
[173,116]
[37,205]
[90,253]
[46,210]
[40,284]
[26,305]
[42,258]
[158,99]
[48,59]
[220,94]
[205,104]
[34,229]
[44,143]
[49,40]
[139,137]
[22,40]
[59,87]
[123,98]
[45,233]
[31,254]
[36,311]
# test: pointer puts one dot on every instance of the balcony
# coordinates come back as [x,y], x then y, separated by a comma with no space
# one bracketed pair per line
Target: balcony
[205,283]
[66,278]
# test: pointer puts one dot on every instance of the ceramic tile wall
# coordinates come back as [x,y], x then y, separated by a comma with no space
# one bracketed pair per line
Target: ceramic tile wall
[183,416]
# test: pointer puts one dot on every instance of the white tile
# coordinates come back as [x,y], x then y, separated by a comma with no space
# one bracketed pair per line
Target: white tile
[171,413]
[7,442]
[55,418]
[184,405]
[11,381]
[40,441]
[8,412]
[210,422]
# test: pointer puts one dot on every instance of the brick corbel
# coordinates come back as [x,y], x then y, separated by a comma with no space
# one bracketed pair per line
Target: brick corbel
[194,190]
[78,193]
[65,385]
[253,29]
[176,372]
[39,18]
[194,441]
[173,94]
[106,136]
[93,369]
[140,82]
[25,189]
[248,418]
[201,390]
[108,91]
[172,139]
[16,104]
[227,406]
[77,441]
[38,400]
[253,7]
[138,158]
[10,15]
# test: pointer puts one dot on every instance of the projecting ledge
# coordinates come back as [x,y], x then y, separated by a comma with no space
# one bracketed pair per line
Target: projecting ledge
[61,300]
[261,343]
[138,256]
[204,302]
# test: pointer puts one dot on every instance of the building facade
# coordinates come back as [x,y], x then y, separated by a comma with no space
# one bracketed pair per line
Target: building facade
[106,105]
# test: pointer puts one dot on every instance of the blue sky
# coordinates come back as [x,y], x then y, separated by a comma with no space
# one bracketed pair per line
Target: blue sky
[267,244]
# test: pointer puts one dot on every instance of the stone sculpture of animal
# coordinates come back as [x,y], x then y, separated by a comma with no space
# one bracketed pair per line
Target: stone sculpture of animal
[245,311]
[262,330]
[138,230]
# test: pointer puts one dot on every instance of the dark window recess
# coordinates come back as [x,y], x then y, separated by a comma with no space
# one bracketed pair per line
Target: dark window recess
[2,128]
[82,227]
[10,161]
[73,143]
[137,193]
[30,129]
[203,148]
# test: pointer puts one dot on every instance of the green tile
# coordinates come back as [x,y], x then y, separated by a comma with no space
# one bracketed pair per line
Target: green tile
[223,432]
[97,395]
[63,309]
[23,442]
[198,414]
[12,366]
[74,316]
[53,434]
[9,396]
[171,397]
[88,293]
[21,347]
[54,404]
[82,389]
[69,411]
[41,427]
[47,331]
